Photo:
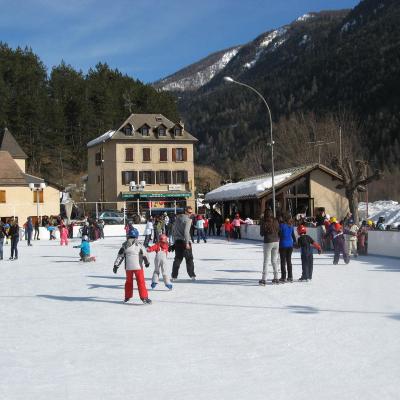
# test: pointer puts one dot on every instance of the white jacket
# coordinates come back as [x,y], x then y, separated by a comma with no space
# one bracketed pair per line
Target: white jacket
[149,228]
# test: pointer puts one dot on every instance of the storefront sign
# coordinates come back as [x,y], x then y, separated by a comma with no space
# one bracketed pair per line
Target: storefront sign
[174,187]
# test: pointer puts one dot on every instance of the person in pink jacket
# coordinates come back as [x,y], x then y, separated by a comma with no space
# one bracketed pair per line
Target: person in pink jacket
[236,226]
[63,235]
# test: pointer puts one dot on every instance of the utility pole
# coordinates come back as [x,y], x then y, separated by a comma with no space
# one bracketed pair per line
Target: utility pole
[319,144]
[340,146]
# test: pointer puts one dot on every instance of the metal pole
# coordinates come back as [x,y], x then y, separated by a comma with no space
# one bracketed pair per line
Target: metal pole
[138,207]
[271,138]
[124,213]
[175,206]
[340,145]
[97,211]
[37,205]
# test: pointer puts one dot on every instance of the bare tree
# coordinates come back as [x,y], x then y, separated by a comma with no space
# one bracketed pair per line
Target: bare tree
[354,181]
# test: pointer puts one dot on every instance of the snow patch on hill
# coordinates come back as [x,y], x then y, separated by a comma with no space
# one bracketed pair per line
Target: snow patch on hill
[390,210]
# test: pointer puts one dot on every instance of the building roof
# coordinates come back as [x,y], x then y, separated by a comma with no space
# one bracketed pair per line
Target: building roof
[8,143]
[137,121]
[259,186]
[10,173]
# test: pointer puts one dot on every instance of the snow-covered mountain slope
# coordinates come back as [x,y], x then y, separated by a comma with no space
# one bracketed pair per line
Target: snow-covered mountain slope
[198,74]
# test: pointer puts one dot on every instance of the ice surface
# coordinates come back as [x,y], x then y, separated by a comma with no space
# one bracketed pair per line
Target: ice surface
[65,334]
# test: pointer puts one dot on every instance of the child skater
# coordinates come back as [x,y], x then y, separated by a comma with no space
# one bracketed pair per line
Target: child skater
[305,242]
[133,253]
[228,229]
[63,235]
[160,262]
[85,250]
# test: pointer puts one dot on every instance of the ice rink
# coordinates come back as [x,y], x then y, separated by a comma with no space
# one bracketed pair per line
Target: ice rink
[66,334]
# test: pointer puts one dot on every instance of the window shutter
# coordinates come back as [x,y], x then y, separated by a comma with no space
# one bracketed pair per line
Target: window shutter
[141,176]
[173,154]
[169,177]
[152,177]
[184,154]
[185,176]
[41,196]
[2,196]
[174,177]
[157,177]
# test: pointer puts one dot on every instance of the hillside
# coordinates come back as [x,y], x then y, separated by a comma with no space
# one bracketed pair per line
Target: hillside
[324,72]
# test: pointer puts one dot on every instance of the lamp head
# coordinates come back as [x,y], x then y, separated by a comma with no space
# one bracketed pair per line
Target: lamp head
[31,186]
[228,79]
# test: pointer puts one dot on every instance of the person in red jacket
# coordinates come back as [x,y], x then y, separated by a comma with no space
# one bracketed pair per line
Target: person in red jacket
[305,242]
[228,228]
[160,262]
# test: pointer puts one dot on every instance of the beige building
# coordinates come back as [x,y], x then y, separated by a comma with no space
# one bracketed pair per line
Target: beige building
[145,164]
[17,199]
[301,190]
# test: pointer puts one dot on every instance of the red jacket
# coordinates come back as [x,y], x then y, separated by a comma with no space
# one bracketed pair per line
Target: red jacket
[228,227]
[160,246]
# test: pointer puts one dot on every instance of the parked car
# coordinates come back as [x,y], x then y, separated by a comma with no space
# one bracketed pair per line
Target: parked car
[112,217]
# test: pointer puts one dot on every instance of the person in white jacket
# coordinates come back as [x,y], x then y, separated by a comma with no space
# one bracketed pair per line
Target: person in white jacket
[351,238]
[148,231]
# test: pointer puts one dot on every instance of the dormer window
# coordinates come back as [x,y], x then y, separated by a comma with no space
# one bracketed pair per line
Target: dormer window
[145,130]
[178,131]
[128,131]
[162,131]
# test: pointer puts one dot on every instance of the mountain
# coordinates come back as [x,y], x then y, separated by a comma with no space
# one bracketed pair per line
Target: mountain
[198,74]
[323,73]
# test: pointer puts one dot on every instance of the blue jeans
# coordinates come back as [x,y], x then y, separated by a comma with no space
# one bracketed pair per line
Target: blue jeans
[201,234]
[14,246]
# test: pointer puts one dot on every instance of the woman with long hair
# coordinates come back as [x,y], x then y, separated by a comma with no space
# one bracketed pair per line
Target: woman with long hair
[269,229]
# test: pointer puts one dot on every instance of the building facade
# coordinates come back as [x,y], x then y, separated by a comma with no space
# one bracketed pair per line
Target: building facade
[145,165]
[17,199]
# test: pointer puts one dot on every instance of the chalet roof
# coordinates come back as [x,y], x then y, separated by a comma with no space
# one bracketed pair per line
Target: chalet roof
[10,173]
[139,120]
[259,186]
[8,143]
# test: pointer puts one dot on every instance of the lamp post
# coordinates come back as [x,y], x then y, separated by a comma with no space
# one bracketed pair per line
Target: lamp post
[133,187]
[37,188]
[231,80]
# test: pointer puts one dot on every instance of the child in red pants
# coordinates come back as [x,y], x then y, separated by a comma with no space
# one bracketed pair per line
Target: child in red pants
[133,253]
[63,235]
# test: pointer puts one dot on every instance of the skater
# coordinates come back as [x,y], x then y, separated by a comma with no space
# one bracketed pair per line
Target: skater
[51,230]
[2,236]
[286,242]
[269,229]
[100,225]
[29,230]
[160,262]
[63,235]
[14,235]
[183,246]
[305,242]
[351,238]
[218,223]
[133,253]
[363,239]
[148,231]
[236,226]
[228,228]
[336,232]
[7,227]
[85,250]
[200,229]
[37,225]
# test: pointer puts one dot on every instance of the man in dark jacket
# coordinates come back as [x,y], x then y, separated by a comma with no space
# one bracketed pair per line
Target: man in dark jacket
[29,230]
[14,235]
[182,245]
[2,236]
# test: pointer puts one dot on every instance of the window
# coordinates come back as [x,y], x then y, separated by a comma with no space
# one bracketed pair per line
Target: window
[128,176]
[178,131]
[98,159]
[2,196]
[162,131]
[180,176]
[146,154]
[164,177]
[128,131]
[38,196]
[179,154]
[144,130]
[147,176]
[163,154]
[128,154]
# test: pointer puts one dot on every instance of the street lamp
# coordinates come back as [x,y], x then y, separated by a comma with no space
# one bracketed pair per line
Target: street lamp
[37,188]
[133,187]
[231,80]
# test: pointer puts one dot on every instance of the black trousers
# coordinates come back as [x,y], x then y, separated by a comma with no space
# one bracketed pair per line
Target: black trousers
[14,246]
[181,252]
[29,237]
[286,259]
[307,263]
[237,232]
[36,237]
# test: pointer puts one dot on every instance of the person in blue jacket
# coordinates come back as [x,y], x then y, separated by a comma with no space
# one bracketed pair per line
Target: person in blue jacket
[85,250]
[287,239]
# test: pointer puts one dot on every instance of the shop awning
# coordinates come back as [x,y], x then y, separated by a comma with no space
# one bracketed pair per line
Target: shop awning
[152,195]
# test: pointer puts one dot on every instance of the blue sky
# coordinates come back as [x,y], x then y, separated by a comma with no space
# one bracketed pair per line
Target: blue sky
[146,39]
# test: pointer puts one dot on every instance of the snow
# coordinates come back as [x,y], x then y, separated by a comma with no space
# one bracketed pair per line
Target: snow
[305,17]
[390,210]
[266,44]
[200,78]
[248,188]
[66,334]
[102,138]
